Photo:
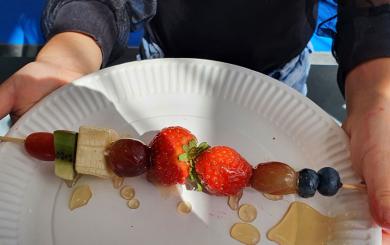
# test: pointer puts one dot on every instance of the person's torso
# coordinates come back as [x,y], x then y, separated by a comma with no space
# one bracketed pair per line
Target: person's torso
[261,35]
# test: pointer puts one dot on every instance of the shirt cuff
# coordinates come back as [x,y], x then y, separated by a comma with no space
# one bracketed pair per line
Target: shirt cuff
[88,17]
[362,34]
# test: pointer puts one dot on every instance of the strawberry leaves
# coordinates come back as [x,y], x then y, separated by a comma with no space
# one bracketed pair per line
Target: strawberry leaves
[191,152]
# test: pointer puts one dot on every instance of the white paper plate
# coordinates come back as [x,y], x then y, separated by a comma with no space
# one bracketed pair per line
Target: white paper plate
[221,104]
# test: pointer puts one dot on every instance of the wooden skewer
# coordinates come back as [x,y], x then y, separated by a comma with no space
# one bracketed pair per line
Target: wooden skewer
[361,187]
[12,139]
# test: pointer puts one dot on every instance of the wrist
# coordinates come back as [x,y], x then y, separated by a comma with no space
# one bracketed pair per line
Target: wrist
[72,51]
[368,86]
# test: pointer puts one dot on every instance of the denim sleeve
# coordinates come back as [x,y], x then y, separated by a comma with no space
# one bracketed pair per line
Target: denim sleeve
[363,33]
[106,21]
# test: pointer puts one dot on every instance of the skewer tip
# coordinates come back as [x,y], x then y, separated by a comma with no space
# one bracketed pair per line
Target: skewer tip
[361,187]
[11,139]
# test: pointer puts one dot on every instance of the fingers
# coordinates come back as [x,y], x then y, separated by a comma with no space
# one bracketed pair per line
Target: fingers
[376,174]
[7,98]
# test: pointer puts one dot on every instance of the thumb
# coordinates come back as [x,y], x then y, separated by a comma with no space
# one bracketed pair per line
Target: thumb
[376,174]
[7,98]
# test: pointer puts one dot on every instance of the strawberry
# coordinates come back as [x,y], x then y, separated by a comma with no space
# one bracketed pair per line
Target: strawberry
[222,170]
[166,147]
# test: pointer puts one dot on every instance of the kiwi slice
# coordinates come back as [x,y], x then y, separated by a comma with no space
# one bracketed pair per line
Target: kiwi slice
[65,145]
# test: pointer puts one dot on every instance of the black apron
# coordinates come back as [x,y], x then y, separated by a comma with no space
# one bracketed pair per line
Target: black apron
[258,34]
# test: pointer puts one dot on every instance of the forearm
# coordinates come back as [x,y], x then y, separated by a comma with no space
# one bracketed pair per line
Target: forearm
[368,87]
[106,21]
[72,51]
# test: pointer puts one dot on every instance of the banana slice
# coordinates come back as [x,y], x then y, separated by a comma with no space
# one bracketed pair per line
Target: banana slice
[91,145]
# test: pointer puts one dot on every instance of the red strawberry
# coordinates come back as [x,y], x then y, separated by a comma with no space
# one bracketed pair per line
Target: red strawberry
[223,171]
[166,147]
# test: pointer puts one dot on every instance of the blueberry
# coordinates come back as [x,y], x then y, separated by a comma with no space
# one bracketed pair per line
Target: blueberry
[307,182]
[329,181]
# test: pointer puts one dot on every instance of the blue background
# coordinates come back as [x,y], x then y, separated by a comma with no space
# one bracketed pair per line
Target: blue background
[20,24]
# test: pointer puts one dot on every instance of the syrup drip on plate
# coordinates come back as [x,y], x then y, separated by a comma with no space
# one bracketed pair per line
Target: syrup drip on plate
[245,233]
[80,197]
[301,225]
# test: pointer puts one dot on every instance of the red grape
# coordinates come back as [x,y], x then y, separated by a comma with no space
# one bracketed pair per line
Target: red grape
[128,157]
[40,145]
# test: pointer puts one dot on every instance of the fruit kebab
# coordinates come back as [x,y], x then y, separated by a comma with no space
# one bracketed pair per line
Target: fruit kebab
[173,157]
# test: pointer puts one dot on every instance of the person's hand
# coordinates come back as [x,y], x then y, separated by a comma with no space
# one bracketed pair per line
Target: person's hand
[66,57]
[370,153]
[368,126]
[30,84]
